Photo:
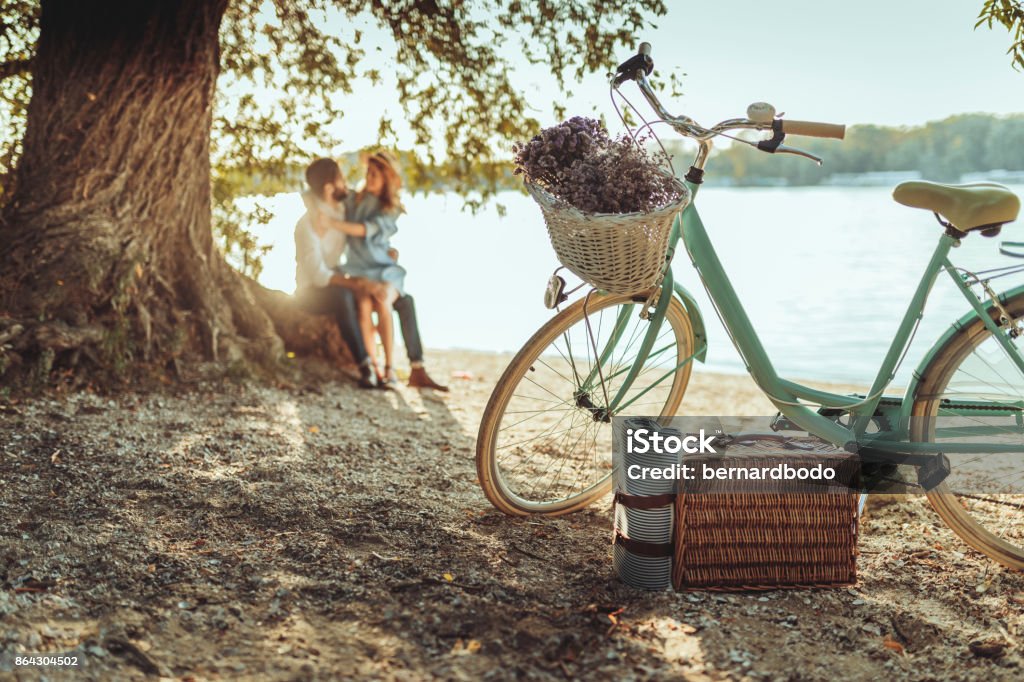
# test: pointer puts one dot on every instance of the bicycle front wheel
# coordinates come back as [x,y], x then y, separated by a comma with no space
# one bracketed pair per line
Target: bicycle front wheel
[973,382]
[545,443]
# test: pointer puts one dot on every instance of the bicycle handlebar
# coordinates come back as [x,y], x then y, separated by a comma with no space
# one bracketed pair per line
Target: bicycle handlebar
[639,66]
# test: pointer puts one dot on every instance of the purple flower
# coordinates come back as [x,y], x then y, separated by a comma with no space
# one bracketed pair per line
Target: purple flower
[578,162]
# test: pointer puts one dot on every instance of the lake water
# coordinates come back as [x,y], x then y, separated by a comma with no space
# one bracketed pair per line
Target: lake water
[825,273]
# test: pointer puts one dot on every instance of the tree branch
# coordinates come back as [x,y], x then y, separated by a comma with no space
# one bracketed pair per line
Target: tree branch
[14,67]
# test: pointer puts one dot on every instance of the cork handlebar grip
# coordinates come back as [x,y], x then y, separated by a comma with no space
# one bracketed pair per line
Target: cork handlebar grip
[813,129]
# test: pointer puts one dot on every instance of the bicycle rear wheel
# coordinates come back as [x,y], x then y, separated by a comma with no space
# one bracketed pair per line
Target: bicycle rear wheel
[544,445]
[982,500]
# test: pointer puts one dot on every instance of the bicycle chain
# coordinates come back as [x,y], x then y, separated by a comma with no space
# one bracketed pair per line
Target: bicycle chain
[990,408]
[971,496]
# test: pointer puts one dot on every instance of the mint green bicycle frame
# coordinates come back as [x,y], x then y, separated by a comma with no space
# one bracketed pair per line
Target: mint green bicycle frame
[784,394]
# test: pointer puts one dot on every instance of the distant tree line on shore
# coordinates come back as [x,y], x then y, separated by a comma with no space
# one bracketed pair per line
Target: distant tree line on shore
[942,151]
[939,150]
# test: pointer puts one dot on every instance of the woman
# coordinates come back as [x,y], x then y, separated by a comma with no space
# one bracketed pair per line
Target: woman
[377,206]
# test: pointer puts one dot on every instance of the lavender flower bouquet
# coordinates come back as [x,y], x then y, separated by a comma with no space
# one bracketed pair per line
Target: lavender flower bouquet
[578,162]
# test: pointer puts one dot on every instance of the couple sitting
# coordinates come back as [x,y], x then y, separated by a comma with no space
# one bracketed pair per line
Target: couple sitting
[359,226]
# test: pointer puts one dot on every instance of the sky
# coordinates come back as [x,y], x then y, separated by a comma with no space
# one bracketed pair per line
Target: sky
[892,62]
[895,62]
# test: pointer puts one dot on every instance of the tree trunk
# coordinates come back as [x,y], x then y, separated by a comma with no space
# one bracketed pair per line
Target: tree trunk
[108,251]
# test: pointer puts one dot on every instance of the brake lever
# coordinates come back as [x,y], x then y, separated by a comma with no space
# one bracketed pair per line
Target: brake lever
[783,149]
[635,67]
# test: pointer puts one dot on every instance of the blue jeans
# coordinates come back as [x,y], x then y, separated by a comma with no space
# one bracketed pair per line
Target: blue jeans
[406,309]
[339,303]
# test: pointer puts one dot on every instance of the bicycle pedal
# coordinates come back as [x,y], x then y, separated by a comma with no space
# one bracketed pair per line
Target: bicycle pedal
[554,294]
[933,472]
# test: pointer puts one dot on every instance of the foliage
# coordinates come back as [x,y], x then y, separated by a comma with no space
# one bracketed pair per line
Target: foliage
[1010,15]
[940,150]
[286,67]
[578,162]
[19,27]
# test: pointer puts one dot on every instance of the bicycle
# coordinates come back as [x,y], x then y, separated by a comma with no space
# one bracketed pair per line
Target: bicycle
[613,355]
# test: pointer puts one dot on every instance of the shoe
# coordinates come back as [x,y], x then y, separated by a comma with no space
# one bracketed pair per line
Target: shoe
[381,381]
[367,379]
[418,378]
[387,380]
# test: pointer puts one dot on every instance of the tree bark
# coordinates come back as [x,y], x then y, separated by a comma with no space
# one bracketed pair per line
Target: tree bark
[14,68]
[108,251]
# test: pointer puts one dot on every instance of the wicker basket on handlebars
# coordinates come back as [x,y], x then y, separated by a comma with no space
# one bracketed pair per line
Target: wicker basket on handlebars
[621,253]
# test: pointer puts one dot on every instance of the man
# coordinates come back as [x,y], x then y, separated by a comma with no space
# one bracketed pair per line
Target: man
[320,237]
[319,243]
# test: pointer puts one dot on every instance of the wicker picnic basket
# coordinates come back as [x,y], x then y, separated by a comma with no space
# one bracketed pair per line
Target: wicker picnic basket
[621,253]
[785,534]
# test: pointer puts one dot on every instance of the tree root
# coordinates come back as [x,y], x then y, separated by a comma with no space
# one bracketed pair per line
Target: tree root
[303,334]
[126,347]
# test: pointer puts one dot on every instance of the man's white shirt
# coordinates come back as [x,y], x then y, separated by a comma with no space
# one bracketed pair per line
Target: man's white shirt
[316,257]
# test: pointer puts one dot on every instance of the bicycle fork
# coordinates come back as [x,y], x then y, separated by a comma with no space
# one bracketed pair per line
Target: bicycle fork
[598,381]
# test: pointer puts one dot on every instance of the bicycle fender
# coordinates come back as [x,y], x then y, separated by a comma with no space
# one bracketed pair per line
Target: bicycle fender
[700,335]
[915,379]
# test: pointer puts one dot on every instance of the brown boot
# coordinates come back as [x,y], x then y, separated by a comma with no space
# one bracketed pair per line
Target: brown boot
[418,378]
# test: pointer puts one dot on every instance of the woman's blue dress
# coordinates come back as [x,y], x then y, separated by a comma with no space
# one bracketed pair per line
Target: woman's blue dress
[368,256]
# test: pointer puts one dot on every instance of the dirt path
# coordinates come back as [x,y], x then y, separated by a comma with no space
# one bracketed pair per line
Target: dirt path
[268,533]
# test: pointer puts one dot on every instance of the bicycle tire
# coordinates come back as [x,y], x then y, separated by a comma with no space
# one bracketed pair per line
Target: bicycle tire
[494,482]
[972,517]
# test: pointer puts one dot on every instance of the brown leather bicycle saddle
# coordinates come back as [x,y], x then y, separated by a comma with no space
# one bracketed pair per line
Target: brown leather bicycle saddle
[977,206]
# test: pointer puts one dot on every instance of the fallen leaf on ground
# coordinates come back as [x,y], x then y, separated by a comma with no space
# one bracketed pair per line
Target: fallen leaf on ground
[989,648]
[890,643]
[470,646]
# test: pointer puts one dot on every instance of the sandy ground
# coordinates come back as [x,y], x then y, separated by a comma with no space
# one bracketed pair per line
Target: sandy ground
[237,531]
